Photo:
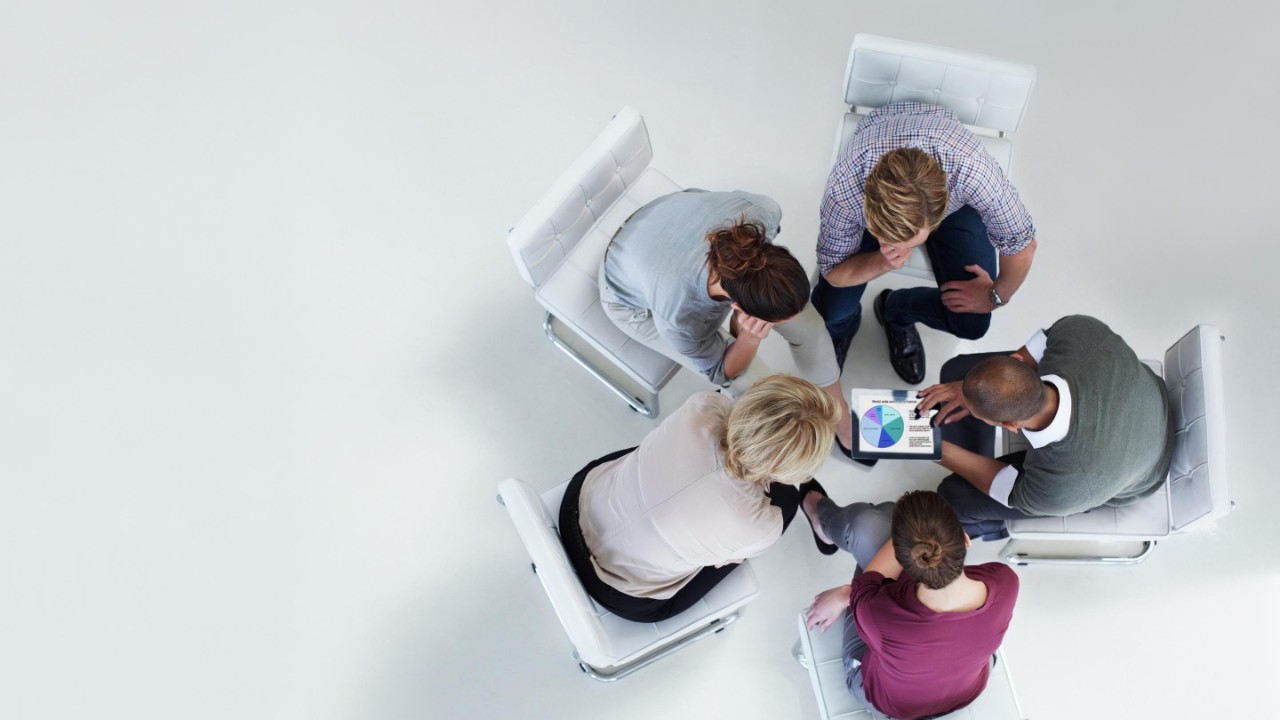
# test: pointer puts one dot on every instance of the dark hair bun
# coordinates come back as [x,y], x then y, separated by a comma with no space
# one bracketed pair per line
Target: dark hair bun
[764,279]
[737,250]
[927,553]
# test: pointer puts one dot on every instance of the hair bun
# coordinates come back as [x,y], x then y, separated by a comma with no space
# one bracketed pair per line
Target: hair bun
[737,249]
[927,553]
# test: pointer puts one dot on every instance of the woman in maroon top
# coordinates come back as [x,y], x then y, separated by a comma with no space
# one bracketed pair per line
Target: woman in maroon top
[921,628]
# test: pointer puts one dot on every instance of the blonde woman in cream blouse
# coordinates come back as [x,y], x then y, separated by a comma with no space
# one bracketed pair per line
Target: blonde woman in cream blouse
[650,530]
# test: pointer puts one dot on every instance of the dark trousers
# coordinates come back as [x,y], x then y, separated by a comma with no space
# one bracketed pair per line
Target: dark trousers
[960,240]
[982,517]
[784,497]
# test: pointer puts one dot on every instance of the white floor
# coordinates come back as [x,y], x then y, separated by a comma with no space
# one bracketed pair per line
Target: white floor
[264,356]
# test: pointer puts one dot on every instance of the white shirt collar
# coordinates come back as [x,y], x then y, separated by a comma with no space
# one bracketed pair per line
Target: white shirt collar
[1057,429]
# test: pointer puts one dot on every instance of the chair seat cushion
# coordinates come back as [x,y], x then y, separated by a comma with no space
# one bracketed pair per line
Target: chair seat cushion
[573,295]
[825,654]
[826,670]
[1146,519]
[629,640]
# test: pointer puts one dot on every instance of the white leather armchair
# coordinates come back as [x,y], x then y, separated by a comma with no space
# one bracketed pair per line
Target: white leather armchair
[1193,495]
[559,244]
[988,94]
[822,653]
[606,646]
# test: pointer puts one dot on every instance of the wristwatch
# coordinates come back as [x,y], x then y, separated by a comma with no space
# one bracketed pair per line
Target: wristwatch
[994,297]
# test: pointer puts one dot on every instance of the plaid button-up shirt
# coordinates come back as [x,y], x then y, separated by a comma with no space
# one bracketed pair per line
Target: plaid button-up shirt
[974,178]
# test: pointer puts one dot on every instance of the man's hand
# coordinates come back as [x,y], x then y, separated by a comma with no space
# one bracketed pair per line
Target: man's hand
[950,399]
[895,255]
[969,296]
[828,607]
[748,327]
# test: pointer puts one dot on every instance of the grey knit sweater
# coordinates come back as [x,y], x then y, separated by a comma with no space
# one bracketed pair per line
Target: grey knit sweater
[1120,440]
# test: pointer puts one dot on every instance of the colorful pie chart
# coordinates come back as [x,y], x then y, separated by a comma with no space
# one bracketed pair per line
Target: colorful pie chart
[882,426]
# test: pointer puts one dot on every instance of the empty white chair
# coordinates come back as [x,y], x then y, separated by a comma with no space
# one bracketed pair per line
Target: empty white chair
[822,653]
[988,94]
[1194,493]
[606,646]
[559,244]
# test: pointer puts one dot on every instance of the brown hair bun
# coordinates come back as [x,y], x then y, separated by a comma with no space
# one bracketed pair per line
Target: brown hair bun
[928,540]
[764,279]
[737,250]
[927,554]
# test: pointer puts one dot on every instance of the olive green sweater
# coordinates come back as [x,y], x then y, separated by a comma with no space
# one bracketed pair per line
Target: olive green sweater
[1120,440]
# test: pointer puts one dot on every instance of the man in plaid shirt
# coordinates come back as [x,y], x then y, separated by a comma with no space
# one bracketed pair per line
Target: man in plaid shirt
[914,176]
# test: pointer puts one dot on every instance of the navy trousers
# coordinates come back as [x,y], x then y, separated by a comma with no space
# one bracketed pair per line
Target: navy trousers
[982,517]
[960,240]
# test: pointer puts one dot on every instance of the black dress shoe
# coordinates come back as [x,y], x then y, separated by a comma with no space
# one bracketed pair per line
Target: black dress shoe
[848,452]
[906,352]
[842,350]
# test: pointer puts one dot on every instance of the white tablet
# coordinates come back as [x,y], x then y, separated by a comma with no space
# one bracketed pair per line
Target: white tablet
[886,426]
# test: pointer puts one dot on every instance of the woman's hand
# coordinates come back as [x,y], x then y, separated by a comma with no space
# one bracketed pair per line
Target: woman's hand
[949,399]
[827,607]
[748,327]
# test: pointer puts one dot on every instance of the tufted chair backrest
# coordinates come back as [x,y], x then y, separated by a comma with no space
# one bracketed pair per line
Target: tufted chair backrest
[537,530]
[1198,473]
[548,232]
[983,91]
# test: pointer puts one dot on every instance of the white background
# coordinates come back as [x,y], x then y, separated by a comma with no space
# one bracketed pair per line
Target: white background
[264,355]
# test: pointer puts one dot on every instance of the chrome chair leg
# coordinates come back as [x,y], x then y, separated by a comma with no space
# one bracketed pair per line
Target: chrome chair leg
[1009,554]
[648,409]
[613,674]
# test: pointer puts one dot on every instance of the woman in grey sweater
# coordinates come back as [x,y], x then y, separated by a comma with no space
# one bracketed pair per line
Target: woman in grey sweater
[685,262]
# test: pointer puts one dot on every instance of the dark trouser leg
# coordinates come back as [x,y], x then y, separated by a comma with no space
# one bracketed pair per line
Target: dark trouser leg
[859,529]
[960,240]
[970,433]
[841,307]
[982,517]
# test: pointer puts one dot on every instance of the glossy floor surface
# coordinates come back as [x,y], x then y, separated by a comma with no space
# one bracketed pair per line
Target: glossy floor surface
[264,355]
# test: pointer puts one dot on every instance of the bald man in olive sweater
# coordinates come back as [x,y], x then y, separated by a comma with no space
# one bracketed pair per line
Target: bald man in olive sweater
[1096,417]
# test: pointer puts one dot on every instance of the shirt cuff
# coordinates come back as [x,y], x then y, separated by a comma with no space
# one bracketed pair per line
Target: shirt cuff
[1036,345]
[1002,485]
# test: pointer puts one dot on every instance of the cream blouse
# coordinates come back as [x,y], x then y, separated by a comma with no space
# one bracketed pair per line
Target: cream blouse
[655,517]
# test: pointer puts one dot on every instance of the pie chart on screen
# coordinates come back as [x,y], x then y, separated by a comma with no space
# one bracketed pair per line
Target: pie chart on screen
[882,426]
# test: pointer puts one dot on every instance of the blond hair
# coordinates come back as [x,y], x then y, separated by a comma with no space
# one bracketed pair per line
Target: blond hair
[906,192]
[780,431]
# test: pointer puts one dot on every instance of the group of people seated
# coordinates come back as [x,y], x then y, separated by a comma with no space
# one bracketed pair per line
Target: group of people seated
[652,529]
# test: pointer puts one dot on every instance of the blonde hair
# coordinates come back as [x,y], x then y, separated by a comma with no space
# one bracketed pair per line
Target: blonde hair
[906,192]
[780,431]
